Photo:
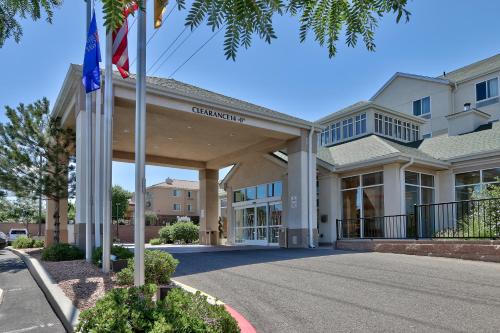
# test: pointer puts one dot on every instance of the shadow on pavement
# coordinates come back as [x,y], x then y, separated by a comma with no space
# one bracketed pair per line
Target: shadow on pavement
[194,263]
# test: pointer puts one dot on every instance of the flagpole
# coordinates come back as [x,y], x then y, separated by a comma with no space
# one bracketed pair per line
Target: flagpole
[88,161]
[140,147]
[98,169]
[107,152]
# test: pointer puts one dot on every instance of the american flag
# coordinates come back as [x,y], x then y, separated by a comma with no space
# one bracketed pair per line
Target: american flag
[120,44]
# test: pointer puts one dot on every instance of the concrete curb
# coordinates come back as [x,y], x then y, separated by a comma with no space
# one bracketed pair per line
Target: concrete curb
[243,323]
[63,307]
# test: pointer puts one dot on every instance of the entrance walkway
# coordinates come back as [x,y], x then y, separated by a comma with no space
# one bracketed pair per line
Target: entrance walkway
[23,307]
[197,248]
[325,290]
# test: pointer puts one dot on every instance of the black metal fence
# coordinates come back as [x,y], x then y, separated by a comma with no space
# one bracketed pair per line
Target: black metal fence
[471,219]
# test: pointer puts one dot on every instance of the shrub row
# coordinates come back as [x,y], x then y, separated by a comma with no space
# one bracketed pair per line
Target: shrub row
[26,243]
[158,268]
[133,310]
[186,232]
[62,252]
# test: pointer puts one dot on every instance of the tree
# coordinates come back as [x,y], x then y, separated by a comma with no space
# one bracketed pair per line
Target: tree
[5,206]
[36,155]
[11,11]
[119,201]
[242,19]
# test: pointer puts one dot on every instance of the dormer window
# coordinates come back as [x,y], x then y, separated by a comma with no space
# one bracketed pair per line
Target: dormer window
[422,106]
[486,89]
[335,132]
[361,123]
[347,128]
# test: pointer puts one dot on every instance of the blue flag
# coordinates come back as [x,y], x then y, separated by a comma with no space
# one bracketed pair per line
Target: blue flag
[91,75]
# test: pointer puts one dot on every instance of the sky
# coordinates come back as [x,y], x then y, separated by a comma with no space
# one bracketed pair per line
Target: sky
[288,76]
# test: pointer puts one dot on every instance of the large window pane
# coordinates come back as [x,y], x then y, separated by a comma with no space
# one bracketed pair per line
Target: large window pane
[251,193]
[249,217]
[373,201]
[481,91]
[411,178]
[239,195]
[427,180]
[466,192]
[492,88]
[351,205]
[275,213]
[426,105]
[427,195]
[262,216]
[491,175]
[417,108]
[262,191]
[350,182]
[373,179]
[467,178]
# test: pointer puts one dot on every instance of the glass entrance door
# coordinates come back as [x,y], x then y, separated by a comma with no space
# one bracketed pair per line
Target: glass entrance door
[251,225]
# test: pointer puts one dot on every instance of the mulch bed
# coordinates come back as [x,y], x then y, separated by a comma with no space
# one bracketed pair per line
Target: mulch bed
[81,281]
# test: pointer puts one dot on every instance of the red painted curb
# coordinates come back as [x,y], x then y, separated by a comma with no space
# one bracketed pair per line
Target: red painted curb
[244,324]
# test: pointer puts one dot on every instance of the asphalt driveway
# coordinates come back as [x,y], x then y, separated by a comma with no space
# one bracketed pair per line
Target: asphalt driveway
[23,307]
[324,290]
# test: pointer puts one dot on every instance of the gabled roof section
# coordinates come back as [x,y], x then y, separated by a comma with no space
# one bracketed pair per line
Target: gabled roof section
[371,149]
[184,91]
[363,105]
[178,184]
[474,70]
[409,76]
[449,148]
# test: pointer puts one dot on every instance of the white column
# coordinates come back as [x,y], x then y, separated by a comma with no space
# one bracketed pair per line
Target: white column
[81,175]
[140,149]
[394,227]
[107,156]
[98,169]
[329,207]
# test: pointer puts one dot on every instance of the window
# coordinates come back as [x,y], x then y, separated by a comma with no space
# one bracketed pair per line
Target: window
[274,189]
[468,183]
[189,194]
[415,132]
[327,136]
[406,131]
[251,193]
[223,203]
[388,126]
[378,123]
[190,208]
[486,89]
[335,132]
[347,128]
[419,189]
[261,191]
[176,193]
[361,124]
[177,207]
[422,106]
[398,129]
[239,195]
[362,200]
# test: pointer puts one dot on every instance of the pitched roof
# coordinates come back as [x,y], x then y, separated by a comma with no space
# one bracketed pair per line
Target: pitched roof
[446,147]
[369,149]
[410,76]
[473,70]
[178,184]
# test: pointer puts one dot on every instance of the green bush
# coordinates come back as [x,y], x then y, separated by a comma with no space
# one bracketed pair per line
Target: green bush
[186,232]
[23,242]
[119,251]
[165,234]
[38,243]
[133,310]
[188,312]
[62,252]
[155,241]
[158,268]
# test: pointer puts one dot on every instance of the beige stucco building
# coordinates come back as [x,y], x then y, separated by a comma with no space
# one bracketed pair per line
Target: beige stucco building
[356,173]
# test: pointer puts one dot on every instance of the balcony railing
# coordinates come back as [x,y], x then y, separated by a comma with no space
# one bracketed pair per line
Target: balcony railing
[471,219]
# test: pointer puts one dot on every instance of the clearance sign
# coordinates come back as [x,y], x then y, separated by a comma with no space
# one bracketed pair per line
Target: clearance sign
[217,114]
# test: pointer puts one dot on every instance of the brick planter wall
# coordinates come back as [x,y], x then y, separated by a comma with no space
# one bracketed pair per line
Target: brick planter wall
[484,250]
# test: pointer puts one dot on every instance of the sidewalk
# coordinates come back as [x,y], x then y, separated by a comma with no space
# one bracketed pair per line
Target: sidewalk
[23,306]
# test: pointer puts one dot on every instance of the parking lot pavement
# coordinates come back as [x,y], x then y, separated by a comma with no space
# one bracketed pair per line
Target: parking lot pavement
[324,290]
[23,307]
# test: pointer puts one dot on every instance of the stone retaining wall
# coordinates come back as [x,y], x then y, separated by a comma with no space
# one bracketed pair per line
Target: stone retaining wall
[484,250]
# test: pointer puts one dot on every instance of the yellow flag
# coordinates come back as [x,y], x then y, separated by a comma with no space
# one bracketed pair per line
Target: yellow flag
[160,7]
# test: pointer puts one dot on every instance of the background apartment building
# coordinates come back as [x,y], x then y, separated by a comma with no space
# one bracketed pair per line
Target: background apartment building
[172,198]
